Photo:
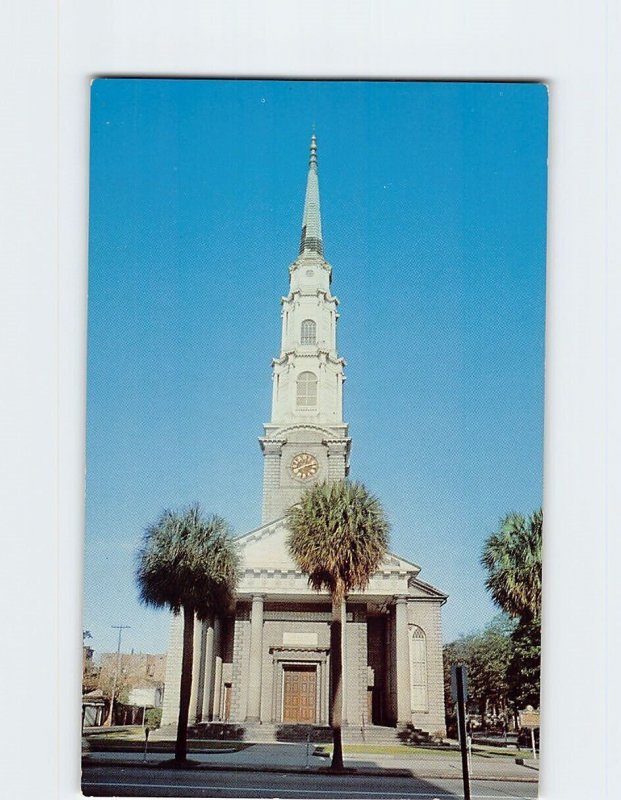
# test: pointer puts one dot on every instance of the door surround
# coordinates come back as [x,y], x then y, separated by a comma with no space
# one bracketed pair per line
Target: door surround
[304,657]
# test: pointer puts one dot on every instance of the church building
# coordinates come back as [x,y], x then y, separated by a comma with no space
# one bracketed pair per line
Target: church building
[268,662]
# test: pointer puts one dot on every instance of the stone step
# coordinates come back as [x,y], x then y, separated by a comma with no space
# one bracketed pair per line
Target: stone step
[318,734]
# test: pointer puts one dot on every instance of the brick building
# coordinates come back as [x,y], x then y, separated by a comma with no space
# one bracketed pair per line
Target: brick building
[134,668]
[269,662]
[140,677]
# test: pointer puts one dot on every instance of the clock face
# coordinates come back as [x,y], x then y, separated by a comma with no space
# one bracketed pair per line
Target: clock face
[304,466]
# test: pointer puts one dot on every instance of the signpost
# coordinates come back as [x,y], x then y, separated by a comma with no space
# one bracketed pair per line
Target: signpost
[459,690]
[529,718]
[146,743]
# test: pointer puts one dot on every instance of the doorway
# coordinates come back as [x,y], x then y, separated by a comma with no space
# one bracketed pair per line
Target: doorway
[300,693]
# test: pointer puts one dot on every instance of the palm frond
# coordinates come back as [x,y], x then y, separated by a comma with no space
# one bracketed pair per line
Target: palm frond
[512,558]
[188,560]
[338,536]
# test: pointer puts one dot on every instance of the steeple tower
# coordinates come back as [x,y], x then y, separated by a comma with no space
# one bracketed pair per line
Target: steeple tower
[306,439]
[311,240]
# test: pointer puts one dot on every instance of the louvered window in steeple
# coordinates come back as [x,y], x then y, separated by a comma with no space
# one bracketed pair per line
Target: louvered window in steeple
[309,332]
[307,390]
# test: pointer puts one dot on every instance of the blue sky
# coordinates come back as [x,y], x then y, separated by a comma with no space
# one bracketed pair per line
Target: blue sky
[434,213]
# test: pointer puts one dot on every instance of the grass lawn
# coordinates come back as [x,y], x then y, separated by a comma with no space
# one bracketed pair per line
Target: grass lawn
[131,734]
[425,752]
[133,741]
[391,750]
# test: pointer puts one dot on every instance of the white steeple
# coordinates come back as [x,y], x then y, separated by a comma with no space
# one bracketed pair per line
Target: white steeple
[307,397]
[308,374]
[311,240]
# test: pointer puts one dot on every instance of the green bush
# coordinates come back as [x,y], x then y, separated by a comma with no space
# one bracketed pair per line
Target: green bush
[153,718]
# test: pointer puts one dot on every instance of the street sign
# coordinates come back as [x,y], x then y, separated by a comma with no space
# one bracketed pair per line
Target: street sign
[529,718]
[454,681]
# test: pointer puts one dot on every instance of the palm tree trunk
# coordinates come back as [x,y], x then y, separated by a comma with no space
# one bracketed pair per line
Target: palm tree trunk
[336,684]
[181,746]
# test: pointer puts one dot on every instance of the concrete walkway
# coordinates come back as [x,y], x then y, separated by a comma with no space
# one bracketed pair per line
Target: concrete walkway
[295,757]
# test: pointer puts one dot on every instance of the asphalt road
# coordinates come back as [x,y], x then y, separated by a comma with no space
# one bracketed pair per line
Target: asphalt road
[100,781]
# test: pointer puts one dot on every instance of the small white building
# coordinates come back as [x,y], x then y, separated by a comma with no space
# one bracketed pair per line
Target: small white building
[269,661]
[146,696]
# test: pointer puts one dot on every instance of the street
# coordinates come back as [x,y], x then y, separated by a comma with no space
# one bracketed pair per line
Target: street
[131,781]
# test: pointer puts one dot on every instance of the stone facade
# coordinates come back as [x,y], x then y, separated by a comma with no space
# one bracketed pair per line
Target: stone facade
[392,655]
[269,662]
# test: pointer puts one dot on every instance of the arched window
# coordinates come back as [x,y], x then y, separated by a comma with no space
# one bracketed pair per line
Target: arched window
[309,332]
[307,390]
[418,669]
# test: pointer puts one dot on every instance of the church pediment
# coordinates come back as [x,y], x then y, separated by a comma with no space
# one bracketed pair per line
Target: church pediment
[265,549]
[394,563]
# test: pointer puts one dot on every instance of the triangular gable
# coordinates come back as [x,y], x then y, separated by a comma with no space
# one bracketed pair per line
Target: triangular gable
[258,533]
[418,588]
[266,547]
[395,563]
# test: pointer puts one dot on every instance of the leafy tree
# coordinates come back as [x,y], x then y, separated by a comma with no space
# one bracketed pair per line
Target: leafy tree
[512,557]
[487,656]
[121,689]
[338,537]
[188,562]
[490,657]
[524,671]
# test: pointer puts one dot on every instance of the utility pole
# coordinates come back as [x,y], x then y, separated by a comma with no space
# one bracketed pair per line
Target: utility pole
[120,629]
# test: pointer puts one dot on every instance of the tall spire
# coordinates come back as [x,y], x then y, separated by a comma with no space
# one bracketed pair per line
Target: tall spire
[311,240]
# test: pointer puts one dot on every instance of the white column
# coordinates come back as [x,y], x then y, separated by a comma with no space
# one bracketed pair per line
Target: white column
[196,695]
[256,659]
[402,648]
[344,675]
[324,712]
[217,678]
[208,670]
[170,710]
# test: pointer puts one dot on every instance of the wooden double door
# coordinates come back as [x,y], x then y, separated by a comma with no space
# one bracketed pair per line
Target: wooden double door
[300,693]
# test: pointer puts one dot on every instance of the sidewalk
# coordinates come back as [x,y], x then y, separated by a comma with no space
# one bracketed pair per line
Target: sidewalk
[277,757]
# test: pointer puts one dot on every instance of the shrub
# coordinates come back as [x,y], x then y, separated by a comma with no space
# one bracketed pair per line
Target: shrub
[153,718]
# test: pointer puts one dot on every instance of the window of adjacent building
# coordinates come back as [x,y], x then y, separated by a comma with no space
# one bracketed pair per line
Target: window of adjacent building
[307,390]
[418,669]
[309,332]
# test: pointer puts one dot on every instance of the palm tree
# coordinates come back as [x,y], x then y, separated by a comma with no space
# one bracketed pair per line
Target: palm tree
[338,537]
[512,557]
[188,562]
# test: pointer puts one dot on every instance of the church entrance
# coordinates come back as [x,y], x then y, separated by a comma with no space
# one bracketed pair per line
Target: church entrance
[300,693]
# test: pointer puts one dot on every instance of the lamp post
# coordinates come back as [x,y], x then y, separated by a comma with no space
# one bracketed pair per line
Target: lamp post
[120,629]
